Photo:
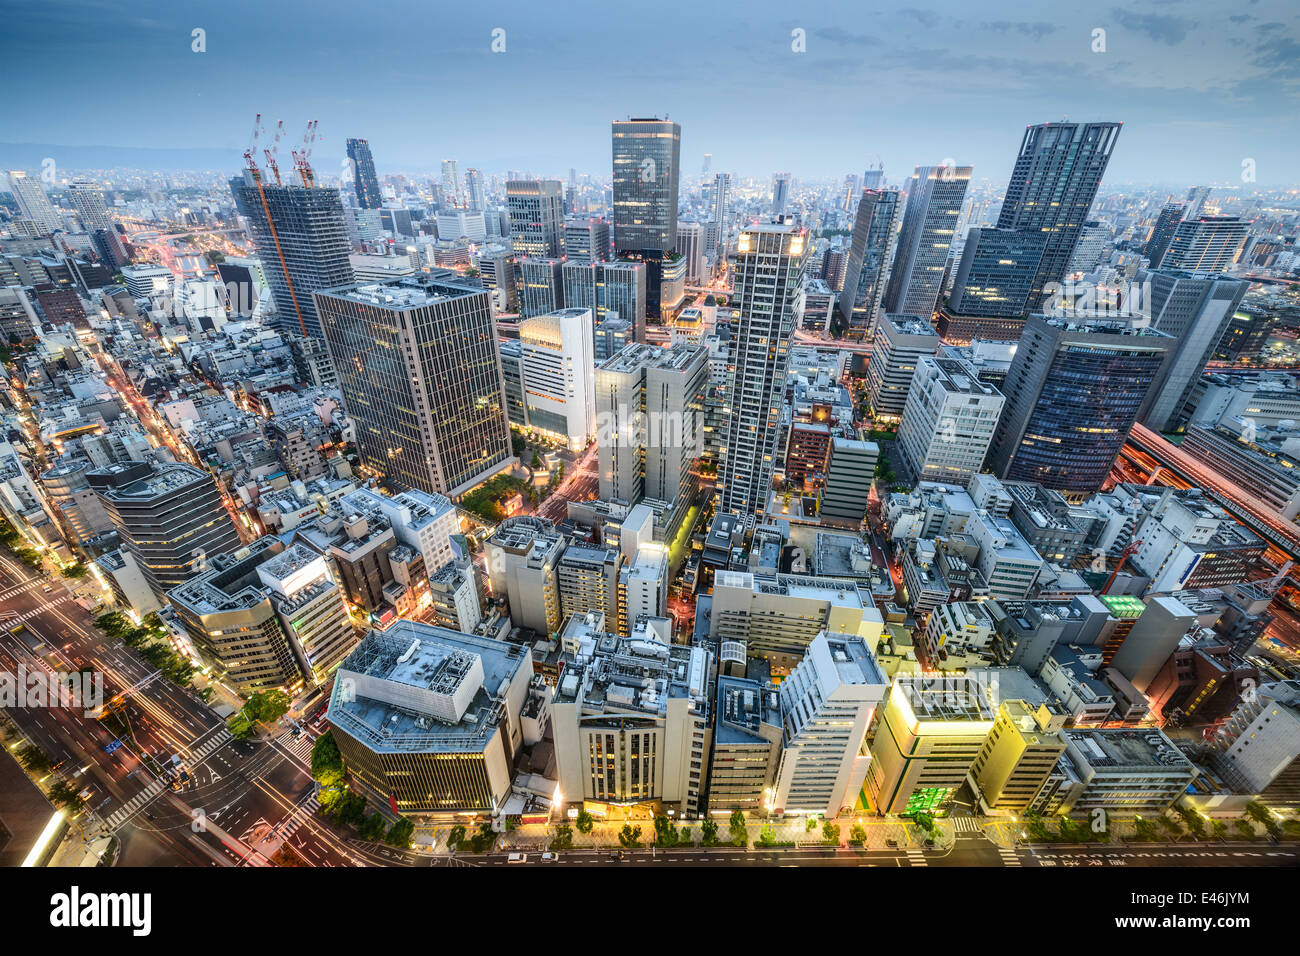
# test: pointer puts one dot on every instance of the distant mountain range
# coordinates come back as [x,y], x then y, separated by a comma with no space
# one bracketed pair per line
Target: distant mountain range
[31,155]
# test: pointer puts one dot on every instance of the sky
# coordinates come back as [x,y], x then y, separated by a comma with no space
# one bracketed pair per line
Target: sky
[817,88]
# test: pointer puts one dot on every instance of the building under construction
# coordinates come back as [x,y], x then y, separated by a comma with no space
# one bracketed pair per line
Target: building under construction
[301,239]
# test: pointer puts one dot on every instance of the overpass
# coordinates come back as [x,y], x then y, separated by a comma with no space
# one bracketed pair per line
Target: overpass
[1243,506]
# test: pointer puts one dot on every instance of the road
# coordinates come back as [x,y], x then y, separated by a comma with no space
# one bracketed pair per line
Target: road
[968,850]
[233,785]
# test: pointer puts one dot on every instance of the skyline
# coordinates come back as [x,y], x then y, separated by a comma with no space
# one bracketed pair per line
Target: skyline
[1199,91]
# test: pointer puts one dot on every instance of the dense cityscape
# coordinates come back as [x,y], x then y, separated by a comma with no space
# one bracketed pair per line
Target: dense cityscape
[360,514]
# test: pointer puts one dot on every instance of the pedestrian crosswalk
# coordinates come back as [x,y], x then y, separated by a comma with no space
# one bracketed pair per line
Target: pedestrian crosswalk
[25,586]
[916,857]
[966,825]
[218,739]
[15,619]
[299,747]
[135,805]
[295,819]
[1009,857]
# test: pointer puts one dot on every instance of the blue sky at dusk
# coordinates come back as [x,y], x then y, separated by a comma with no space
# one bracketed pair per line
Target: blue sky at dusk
[1199,85]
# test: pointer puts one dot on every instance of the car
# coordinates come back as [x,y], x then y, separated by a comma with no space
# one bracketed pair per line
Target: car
[176,785]
[48,588]
[517,858]
[891,843]
[550,857]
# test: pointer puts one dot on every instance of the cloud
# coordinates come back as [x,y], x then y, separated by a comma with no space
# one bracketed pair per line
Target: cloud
[844,38]
[1037,30]
[1162,29]
[924,17]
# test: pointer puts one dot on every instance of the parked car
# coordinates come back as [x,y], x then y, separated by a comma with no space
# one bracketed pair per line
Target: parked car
[517,858]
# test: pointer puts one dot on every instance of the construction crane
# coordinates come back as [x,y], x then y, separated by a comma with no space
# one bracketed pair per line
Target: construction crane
[266,207]
[274,151]
[302,156]
[1130,550]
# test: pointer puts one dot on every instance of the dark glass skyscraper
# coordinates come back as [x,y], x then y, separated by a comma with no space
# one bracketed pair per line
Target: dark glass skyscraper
[934,198]
[866,268]
[364,179]
[646,153]
[303,246]
[420,375]
[995,272]
[1051,190]
[1074,390]
[1163,232]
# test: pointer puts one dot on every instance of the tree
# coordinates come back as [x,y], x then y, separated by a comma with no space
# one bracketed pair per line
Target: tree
[74,571]
[1175,831]
[536,462]
[1246,828]
[1219,829]
[665,833]
[1264,817]
[563,839]
[629,836]
[62,795]
[34,759]
[327,767]
[858,834]
[456,837]
[739,833]
[830,832]
[1145,831]
[767,835]
[372,827]
[709,833]
[585,822]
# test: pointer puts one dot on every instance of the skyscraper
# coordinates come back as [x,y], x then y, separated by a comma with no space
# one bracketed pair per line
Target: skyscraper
[646,153]
[610,290]
[716,236]
[1196,197]
[1206,244]
[475,196]
[934,199]
[301,242]
[1073,392]
[1163,232]
[1052,186]
[536,217]
[780,193]
[421,378]
[453,193]
[364,180]
[586,240]
[996,270]
[88,199]
[650,401]
[865,269]
[1196,309]
[33,203]
[770,262]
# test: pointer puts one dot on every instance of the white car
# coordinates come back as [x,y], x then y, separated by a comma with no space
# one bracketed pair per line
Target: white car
[550,857]
[517,858]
